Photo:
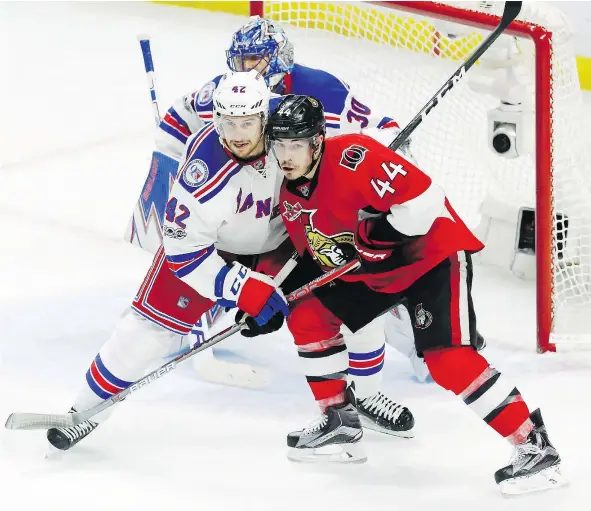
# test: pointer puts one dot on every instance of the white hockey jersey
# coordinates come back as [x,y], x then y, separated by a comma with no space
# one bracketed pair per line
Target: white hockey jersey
[344,112]
[217,203]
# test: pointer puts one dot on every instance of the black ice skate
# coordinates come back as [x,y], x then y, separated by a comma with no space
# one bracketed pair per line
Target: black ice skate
[65,438]
[332,438]
[380,413]
[535,464]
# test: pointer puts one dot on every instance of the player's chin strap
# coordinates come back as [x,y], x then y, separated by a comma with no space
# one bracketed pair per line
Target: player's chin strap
[46,421]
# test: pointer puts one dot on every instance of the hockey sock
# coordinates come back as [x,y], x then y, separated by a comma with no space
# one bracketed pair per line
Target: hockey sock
[484,389]
[135,344]
[366,358]
[325,366]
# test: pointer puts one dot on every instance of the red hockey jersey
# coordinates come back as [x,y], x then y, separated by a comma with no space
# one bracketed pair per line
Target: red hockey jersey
[355,172]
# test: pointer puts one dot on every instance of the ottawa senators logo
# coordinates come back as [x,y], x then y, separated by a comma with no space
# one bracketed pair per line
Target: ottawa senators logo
[423,318]
[325,249]
[352,157]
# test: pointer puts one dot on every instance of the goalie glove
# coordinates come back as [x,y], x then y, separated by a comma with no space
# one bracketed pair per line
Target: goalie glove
[250,291]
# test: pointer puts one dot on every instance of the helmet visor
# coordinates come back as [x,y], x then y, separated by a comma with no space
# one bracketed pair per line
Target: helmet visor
[240,129]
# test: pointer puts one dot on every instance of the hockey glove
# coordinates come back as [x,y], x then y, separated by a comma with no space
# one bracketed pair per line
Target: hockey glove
[252,292]
[253,329]
[379,245]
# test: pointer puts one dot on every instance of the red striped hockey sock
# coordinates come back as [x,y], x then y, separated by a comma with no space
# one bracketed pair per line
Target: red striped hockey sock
[497,401]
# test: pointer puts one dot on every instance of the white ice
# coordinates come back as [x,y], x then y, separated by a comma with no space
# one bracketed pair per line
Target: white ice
[75,144]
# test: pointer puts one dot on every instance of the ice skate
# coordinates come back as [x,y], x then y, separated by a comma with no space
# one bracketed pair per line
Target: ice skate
[65,438]
[535,464]
[335,437]
[381,414]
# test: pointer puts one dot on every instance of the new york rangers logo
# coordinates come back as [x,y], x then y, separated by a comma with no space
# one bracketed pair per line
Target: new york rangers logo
[195,173]
[183,302]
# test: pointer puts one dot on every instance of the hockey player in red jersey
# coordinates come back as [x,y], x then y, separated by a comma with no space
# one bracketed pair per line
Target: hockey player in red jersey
[414,247]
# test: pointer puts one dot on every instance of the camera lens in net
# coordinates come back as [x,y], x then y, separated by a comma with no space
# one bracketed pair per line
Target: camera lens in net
[501,143]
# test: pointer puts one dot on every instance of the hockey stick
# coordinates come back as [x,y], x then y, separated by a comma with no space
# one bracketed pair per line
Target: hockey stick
[510,12]
[46,421]
[150,74]
[210,368]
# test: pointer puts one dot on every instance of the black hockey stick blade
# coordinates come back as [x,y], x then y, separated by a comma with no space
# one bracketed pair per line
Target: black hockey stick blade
[510,12]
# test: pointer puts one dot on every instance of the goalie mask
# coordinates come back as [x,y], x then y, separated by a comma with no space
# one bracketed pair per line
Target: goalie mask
[295,134]
[240,112]
[263,45]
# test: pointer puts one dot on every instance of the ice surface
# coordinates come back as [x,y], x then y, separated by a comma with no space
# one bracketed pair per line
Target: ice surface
[75,143]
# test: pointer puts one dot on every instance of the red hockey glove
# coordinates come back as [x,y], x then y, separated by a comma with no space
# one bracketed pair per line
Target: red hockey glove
[379,245]
[372,242]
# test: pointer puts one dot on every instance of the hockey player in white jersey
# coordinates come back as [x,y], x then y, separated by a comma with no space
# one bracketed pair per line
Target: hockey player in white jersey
[222,211]
[263,45]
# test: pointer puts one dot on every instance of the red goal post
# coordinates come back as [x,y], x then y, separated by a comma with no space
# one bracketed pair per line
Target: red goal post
[555,179]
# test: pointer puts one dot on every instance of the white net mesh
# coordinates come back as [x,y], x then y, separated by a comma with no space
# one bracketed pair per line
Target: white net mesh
[396,61]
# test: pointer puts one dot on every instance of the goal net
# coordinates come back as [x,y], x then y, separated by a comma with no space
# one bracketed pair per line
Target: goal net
[397,55]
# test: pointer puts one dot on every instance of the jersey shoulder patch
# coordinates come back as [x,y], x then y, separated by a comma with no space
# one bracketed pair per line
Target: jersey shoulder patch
[203,101]
[350,151]
[207,168]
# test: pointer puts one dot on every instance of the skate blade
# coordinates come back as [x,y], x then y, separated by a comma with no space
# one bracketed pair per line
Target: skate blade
[333,453]
[53,453]
[547,479]
[369,424]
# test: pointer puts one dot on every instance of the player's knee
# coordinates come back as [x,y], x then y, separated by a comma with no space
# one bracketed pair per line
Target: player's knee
[310,322]
[137,338]
[455,368]
[366,339]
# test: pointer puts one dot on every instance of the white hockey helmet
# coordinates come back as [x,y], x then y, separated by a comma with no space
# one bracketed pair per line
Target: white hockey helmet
[240,94]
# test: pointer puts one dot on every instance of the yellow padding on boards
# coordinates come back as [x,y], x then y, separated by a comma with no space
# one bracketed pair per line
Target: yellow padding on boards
[584,68]
[241,8]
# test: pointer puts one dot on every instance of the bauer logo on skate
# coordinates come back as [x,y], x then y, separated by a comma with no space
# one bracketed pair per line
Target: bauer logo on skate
[196,173]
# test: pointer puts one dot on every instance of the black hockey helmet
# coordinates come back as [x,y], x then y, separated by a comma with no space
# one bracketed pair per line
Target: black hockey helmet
[296,117]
